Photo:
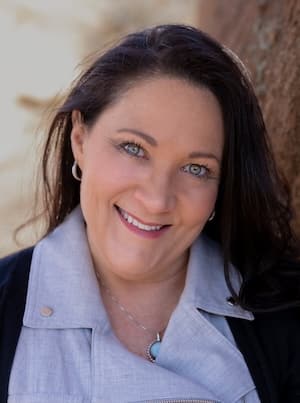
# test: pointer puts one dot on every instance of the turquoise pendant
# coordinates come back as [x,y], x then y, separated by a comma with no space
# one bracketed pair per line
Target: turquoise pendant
[153,349]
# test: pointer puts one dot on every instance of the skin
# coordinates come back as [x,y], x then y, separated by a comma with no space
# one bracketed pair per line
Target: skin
[159,180]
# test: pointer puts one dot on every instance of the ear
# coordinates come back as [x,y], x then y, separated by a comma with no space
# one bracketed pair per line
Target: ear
[78,137]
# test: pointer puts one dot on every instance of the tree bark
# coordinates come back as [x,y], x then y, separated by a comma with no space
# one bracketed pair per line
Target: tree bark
[266,36]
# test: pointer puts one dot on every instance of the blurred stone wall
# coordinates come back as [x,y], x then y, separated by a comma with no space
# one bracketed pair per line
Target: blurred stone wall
[266,36]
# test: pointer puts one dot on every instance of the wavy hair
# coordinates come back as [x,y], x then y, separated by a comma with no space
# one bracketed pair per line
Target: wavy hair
[252,221]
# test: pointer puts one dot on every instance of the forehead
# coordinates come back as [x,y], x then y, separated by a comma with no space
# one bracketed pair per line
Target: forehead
[170,110]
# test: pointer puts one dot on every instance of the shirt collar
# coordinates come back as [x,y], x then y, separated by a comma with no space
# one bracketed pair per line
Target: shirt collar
[206,287]
[63,290]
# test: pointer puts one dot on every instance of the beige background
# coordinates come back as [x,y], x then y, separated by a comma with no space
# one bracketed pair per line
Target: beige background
[42,42]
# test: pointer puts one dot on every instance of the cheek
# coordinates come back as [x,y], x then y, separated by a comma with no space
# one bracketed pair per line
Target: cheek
[199,201]
[108,175]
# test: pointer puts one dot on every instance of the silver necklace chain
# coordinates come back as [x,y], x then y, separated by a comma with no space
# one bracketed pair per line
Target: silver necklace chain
[124,310]
[153,348]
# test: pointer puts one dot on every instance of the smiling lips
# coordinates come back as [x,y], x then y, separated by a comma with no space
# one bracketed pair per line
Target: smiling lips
[146,230]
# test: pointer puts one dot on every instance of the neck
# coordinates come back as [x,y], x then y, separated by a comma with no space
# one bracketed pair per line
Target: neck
[146,293]
[151,303]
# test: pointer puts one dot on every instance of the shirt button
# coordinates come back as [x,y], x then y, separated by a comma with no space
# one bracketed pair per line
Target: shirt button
[230,301]
[46,311]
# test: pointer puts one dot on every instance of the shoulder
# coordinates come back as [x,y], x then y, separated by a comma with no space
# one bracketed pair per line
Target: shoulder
[272,328]
[15,265]
[278,325]
[279,332]
[14,274]
[270,346]
[279,335]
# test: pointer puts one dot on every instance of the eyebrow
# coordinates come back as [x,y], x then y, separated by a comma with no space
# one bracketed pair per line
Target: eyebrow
[202,154]
[151,140]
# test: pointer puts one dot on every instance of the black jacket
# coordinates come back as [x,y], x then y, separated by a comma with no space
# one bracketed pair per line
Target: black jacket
[270,344]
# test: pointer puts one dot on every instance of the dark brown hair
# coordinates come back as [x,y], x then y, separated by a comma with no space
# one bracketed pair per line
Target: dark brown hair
[252,222]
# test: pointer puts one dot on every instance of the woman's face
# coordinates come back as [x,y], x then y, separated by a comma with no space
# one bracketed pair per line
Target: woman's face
[150,173]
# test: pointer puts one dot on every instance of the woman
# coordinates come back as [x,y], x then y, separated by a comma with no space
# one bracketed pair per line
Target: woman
[168,250]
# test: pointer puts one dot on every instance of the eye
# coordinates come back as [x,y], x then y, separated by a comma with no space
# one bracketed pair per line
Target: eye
[200,171]
[133,149]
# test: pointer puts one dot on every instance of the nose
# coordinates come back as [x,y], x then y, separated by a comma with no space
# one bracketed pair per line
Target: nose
[157,194]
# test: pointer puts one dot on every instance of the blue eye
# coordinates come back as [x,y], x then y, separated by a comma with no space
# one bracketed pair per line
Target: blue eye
[133,149]
[196,170]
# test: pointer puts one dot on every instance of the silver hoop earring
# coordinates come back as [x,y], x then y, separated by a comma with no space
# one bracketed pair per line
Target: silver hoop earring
[75,171]
[211,217]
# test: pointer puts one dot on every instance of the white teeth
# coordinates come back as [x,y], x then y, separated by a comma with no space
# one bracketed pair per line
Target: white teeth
[138,224]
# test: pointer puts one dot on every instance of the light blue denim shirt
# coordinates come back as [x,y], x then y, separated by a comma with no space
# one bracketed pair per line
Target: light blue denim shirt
[68,353]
